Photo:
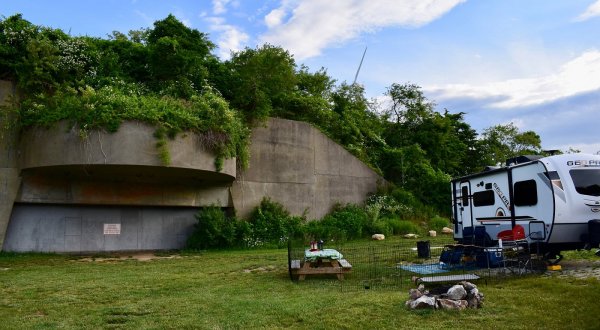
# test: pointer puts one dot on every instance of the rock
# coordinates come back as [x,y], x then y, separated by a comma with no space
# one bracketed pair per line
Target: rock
[414,294]
[432,233]
[378,237]
[422,303]
[457,297]
[447,231]
[475,298]
[450,304]
[457,292]
[473,292]
[468,285]
[411,236]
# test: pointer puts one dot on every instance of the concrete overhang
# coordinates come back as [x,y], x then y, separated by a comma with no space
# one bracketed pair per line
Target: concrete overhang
[132,174]
[130,154]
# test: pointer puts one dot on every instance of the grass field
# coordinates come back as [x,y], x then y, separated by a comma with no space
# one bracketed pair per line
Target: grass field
[251,289]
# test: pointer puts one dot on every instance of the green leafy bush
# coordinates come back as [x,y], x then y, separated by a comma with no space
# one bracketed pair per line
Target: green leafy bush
[212,230]
[402,227]
[344,222]
[380,226]
[410,206]
[272,223]
[437,223]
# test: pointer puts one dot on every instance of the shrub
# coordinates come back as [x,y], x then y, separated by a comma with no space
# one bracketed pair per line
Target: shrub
[314,230]
[437,223]
[243,234]
[213,230]
[380,226]
[344,222]
[411,207]
[272,223]
[403,227]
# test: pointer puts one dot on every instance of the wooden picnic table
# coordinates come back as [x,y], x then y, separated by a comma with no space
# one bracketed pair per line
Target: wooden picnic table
[326,261]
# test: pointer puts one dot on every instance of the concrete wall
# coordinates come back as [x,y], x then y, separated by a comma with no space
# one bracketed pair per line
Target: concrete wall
[295,164]
[9,168]
[58,228]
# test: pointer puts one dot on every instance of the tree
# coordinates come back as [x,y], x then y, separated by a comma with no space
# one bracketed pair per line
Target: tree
[310,99]
[409,106]
[502,142]
[177,55]
[260,80]
[448,141]
[409,168]
[355,126]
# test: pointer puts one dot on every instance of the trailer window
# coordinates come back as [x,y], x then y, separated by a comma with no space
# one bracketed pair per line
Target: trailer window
[526,193]
[465,196]
[484,198]
[587,181]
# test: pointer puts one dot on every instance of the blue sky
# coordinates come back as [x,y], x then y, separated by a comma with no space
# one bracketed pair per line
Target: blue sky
[535,63]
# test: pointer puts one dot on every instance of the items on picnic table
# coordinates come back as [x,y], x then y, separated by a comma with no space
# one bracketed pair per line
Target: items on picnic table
[332,254]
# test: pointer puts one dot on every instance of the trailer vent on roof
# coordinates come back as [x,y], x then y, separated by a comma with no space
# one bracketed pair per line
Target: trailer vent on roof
[490,168]
[522,159]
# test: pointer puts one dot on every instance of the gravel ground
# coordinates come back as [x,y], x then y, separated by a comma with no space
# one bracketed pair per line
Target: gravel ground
[578,269]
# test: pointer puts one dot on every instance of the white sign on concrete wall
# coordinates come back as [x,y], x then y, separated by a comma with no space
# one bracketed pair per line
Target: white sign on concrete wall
[112,229]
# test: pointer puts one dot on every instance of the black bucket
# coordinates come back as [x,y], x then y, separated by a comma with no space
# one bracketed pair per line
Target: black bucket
[423,250]
[594,233]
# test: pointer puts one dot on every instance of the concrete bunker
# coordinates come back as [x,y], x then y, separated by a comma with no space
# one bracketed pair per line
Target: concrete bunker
[110,192]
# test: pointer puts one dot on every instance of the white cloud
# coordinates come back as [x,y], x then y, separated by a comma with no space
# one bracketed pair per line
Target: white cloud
[592,11]
[316,24]
[220,6]
[230,37]
[579,75]
[275,18]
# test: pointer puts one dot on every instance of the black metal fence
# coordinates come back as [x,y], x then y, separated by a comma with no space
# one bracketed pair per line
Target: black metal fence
[403,263]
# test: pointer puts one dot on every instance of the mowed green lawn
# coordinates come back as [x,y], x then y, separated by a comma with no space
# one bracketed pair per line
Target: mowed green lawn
[251,289]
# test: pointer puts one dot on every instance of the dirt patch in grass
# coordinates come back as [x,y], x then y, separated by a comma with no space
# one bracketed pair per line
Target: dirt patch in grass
[261,269]
[578,269]
[139,256]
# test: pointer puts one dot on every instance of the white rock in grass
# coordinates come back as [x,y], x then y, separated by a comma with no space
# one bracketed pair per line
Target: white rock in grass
[447,230]
[450,304]
[432,233]
[378,237]
[411,236]
[457,292]
[423,302]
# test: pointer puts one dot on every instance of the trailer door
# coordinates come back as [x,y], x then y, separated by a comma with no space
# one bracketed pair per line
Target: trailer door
[465,214]
[533,196]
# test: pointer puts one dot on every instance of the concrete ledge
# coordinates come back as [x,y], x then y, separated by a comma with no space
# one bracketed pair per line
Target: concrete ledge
[133,145]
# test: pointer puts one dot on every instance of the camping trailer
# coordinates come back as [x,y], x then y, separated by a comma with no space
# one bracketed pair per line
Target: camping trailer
[554,201]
